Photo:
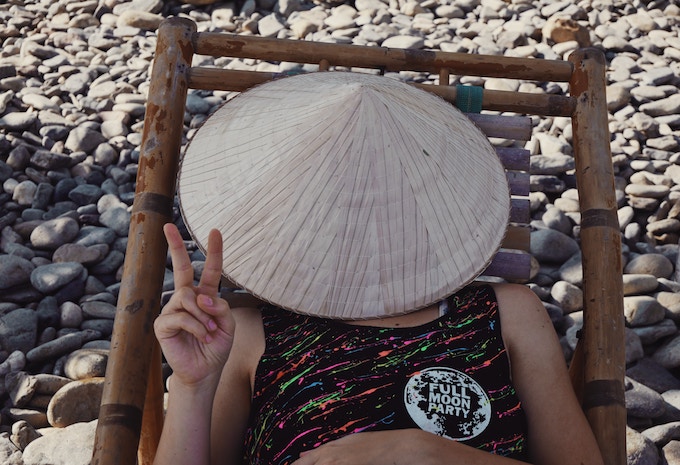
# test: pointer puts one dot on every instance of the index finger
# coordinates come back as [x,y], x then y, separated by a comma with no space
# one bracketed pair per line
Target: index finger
[182,271]
[212,269]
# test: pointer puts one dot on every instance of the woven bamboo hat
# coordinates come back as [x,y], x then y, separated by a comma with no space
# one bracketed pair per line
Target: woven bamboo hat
[345,195]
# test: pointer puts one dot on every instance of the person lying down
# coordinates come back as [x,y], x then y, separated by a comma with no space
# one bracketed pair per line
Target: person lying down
[360,210]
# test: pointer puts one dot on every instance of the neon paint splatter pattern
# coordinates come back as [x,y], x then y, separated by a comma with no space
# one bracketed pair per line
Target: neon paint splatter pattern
[320,379]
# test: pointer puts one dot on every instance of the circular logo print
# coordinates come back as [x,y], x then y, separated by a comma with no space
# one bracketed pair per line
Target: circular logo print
[447,402]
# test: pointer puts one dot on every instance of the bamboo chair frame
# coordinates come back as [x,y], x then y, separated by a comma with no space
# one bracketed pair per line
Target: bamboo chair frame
[131,412]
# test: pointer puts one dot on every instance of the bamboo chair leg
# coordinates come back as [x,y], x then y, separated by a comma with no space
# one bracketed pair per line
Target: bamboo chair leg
[603,333]
[152,420]
[576,369]
[127,373]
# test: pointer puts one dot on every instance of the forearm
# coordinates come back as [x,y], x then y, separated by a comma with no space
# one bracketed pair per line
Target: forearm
[185,438]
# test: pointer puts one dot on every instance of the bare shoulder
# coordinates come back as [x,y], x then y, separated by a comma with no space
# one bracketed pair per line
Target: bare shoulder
[523,315]
[515,296]
[518,301]
[249,317]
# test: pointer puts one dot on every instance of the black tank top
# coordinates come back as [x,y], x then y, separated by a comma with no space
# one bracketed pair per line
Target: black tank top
[321,379]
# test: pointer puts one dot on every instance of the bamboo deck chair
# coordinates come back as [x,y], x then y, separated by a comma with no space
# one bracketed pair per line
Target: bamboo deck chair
[131,413]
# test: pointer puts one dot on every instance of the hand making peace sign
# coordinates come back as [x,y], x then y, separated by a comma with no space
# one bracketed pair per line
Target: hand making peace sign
[195,328]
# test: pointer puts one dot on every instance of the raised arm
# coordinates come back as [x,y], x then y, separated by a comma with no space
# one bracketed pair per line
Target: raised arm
[196,332]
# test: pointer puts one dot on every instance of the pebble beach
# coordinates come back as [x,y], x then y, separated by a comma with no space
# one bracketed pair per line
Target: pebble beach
[74,76]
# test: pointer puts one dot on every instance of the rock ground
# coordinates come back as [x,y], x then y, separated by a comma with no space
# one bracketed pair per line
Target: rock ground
[73,81]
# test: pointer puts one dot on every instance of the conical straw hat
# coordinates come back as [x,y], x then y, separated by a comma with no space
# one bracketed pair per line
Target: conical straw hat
[345,195]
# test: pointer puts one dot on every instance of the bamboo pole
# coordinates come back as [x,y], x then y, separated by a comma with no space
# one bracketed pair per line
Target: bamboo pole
[444,76]
[514,158]
[510,265]
[127,373]
[383,58]
[497,100]
[153,416]
[516,128]
[514,102]
[520,210]
[603,333]
[519,182]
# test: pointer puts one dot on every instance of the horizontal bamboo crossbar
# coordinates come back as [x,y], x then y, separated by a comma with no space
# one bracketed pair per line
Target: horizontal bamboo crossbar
[382,58]
[516,102]
[520,210]
[514,158]
[519,182]
[510,265]
[505,127]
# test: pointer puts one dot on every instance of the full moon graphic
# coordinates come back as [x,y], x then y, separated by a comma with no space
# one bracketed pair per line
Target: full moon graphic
[448,403]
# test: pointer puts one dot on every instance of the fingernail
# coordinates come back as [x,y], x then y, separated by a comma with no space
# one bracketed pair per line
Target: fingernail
[206,300]
[212,326]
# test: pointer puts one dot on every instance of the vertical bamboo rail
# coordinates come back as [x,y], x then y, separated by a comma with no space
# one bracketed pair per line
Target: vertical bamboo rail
[444,77]
[153,415]
[120,415]
[603,333]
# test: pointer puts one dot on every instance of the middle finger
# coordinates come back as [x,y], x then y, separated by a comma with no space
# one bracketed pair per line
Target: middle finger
[212,269]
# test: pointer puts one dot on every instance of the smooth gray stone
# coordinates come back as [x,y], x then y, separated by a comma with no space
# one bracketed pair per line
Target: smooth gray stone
[19,330]
[14,270]
[51,277]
